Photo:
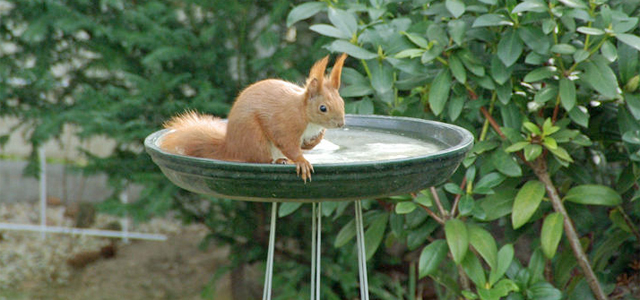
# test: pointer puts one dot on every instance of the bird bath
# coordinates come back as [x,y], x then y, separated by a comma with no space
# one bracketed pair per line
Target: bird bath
[371,157]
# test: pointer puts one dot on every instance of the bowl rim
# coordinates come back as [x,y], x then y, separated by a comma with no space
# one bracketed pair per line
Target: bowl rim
[465,144]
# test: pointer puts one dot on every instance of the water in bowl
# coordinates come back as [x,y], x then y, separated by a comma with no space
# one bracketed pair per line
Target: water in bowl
[350,145]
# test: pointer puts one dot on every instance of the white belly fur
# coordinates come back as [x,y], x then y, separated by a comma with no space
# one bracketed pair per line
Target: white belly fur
[310,132]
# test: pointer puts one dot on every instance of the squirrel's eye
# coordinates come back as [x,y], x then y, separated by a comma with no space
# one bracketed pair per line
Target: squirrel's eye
[323,108]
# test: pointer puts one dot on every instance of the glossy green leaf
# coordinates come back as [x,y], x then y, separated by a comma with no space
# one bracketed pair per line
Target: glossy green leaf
[561,153]
[405,207]
[629,39]
[593,194]
[547,93]
[487,20]
[453,188]
[503,288]
[548,128]
[490,180]
[616,218]
[533,128]
[499,71]
[304,11]
[410,53]
[343,20]
[457,69]
[540,74]
[544,290]
[457,238]
[288,208]
[439,91]
[550,143]
[473,268]
[534,6]
[466,205]
[352,50]
[631,58]
[345,234]
[457,30]
[536,266]
[357,91]
[484,243]
[505,163]
[526,203]
[416,238]
[424,198]
[548,25]
[535,39]
[328,30]
[374,234]
[505,257]
[456,104]
[455,7]
[632,137]
[580,55]
[551,233]
[532,151]
[574,3]
[590,30]
[600,76]
[517,146]
[609,51]
[497,205]
[580,116]
[431,256]
[563,49]
[509,48]
[567,93]
[416,39]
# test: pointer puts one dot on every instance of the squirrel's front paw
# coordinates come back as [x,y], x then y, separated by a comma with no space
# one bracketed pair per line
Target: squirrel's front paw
[304,169]
[283,161]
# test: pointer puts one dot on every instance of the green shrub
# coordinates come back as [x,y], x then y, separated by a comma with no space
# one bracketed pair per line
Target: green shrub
[550,90]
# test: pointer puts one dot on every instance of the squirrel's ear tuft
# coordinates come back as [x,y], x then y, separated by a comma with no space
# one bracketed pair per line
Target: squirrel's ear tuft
[316,77]
[312,89]
[334,79]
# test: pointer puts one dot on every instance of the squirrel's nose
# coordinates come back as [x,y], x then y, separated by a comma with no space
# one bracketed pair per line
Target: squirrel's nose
[340,124]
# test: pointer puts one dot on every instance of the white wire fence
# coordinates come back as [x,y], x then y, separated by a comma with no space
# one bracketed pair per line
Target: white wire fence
[44,229]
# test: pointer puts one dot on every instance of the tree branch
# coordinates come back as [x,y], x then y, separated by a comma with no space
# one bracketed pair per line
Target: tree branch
[540,169]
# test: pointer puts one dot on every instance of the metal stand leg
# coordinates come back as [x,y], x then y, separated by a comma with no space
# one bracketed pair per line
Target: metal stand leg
[316,228]
[362,258]
[266,294]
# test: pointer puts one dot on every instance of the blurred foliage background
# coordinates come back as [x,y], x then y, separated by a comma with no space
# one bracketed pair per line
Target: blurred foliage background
[543,208]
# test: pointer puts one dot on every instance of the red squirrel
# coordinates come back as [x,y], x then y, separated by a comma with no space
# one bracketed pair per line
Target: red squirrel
[271,121]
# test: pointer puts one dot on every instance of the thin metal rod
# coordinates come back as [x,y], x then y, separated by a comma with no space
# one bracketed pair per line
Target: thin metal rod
[82,231]
[43,193]
[318,249]
[313,250]
[124,221]
[266,295]
[362,258]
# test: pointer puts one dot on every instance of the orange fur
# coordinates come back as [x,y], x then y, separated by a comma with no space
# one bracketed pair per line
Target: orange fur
[195,134]
[270,119]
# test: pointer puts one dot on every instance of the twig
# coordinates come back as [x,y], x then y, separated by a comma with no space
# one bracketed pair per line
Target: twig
[493,122]
[436,198]
[458,196]
[432,214]
[540,169]
[630,224]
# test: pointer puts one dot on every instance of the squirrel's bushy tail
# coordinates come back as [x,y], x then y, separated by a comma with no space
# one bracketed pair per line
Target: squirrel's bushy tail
[195,134]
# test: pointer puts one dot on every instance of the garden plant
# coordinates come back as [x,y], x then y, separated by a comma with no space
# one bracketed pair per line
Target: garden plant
[544,207]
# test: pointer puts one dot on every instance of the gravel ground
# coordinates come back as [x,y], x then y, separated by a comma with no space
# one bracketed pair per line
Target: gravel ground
[76,267]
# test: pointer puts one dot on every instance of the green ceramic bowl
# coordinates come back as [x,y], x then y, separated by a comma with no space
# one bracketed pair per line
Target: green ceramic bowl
[330,181]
